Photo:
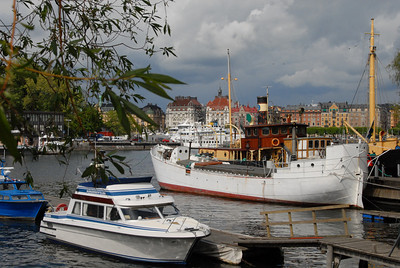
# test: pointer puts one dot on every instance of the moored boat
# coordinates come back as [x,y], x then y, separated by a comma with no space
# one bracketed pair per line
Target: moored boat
[127,218]
[335,177]
[17,198]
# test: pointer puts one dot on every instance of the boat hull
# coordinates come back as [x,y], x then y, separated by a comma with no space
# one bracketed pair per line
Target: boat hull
[121,243]
[308,182]
[21,210]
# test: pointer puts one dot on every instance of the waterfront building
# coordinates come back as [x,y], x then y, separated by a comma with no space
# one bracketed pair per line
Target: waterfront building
[333,114]
[184,109]
[156,114]
[244,115]
[305,114]
[217,110]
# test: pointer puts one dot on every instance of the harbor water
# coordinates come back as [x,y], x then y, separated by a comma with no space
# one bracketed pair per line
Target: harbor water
[21,244]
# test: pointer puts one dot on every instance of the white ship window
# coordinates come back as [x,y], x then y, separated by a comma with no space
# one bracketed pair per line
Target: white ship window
[169,210]
[140,213]
[77,208]
[93,210]
[112,214]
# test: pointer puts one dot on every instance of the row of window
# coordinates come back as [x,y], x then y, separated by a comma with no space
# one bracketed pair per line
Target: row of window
[21,197]
[266,131]
[318,144]
[112,213]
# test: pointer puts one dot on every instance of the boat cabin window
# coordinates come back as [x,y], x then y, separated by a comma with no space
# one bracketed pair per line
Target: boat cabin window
[265,131]
[323,144]
[310,144]
[77,208]
[140,213]
[316,143]
[93,210]
[249,132]
[4,197]
[112,214]
[275,131]
[19,197]
[284,130]
[328,142]
[169,210]
[36,196]
[5,186]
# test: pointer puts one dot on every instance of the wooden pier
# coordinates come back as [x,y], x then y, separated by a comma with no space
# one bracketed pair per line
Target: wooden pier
[235,248]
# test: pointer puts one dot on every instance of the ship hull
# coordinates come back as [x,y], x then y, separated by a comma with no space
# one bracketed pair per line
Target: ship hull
[337,179]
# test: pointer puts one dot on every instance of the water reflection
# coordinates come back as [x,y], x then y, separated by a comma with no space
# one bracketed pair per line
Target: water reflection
[23,239]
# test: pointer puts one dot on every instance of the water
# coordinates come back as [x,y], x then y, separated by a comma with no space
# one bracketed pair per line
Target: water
[21,244]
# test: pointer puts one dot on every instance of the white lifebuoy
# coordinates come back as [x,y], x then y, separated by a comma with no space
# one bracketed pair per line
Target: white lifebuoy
[275,142]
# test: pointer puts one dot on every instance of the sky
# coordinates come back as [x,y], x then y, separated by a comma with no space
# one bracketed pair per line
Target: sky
[304,51]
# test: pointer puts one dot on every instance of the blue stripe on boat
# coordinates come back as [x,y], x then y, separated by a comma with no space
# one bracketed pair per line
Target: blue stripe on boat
[82,218]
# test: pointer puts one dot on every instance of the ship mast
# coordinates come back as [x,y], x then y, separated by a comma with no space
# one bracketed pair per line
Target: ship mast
[230,101]
[372,56]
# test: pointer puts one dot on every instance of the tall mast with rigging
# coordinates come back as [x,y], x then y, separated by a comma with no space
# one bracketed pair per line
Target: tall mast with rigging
[372,57]
[229,100]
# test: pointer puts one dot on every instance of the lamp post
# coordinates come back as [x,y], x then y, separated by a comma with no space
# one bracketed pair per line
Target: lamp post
[68,120]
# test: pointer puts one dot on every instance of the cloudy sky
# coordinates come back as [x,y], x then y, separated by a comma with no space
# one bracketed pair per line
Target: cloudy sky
[305,51]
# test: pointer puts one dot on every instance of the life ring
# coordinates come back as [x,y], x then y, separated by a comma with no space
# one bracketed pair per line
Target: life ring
[275,142]
[61,207]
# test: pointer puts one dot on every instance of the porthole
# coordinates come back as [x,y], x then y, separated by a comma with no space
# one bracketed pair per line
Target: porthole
[298,165]
[312,164]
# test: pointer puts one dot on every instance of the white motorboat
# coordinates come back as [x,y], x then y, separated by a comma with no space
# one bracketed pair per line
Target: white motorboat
[127,218]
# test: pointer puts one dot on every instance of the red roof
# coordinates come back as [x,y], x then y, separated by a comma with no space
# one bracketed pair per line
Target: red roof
[184,101]
[219,103]
[247,109]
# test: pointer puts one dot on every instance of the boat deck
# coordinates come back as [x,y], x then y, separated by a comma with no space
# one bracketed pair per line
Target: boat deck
[228,168]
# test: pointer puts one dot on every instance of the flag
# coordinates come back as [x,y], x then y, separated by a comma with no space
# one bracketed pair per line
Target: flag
[371,129]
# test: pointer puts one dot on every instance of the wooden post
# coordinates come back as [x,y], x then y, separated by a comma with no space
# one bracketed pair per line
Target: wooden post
[268,227]
[315,223]
[290,224]
[329,257]
[346,229]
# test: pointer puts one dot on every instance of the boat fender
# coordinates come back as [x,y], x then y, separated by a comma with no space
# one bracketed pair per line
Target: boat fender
[275,142]
[61,207]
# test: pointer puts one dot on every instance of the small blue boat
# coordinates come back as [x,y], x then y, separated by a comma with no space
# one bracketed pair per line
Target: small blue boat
[17,198]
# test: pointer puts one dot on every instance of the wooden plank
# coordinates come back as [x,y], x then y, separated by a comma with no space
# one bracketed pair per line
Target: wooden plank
[305,209]
[308,221]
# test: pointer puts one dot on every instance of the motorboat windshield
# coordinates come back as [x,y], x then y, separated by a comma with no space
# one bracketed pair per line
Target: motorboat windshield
[150,212]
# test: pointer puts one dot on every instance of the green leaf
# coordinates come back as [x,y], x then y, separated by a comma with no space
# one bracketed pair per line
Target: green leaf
[154,89]
[137,111]
[89,171]
[118,167]
[27,26]
[121,113]
[7,138]
[164,79]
